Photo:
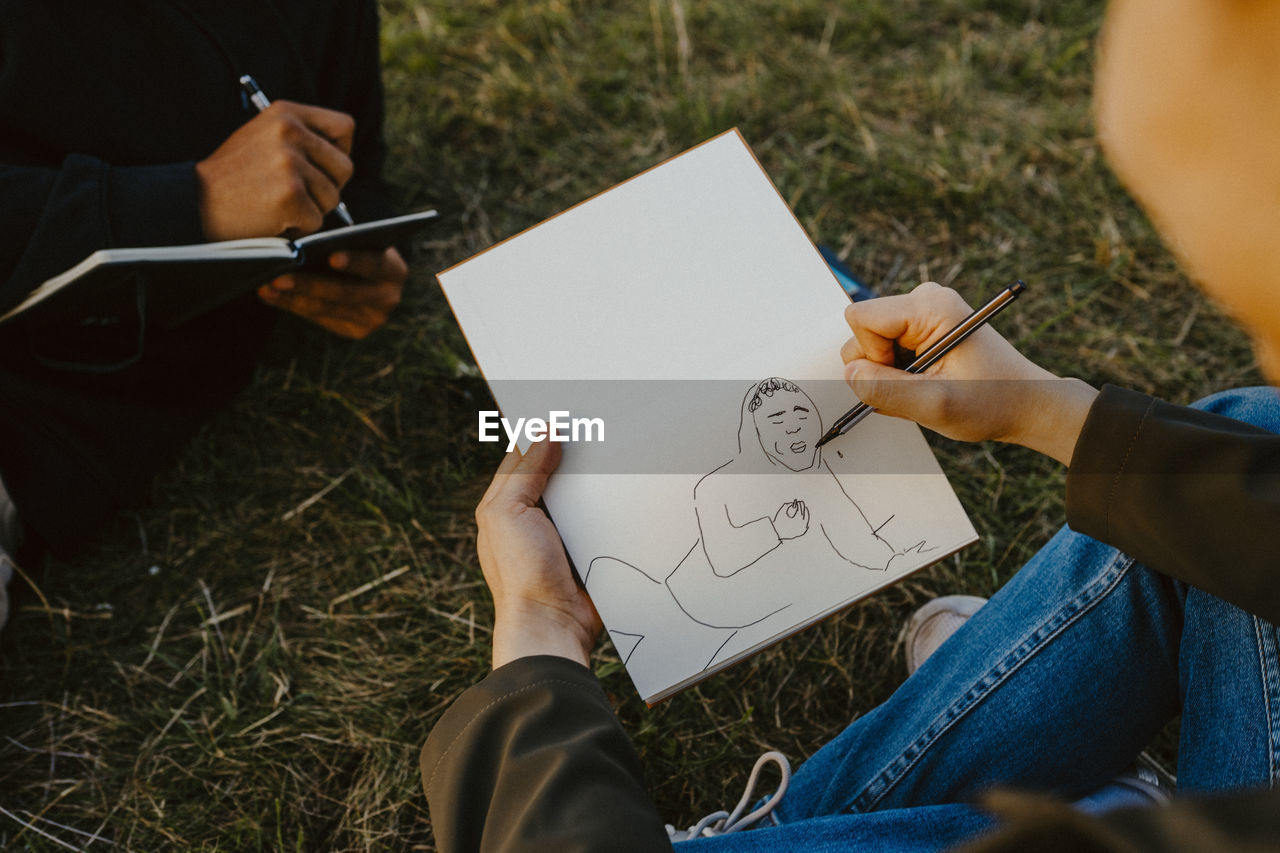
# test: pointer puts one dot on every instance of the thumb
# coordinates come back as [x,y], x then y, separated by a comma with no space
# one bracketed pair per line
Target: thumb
[523,481]
[891,391]
[536,466]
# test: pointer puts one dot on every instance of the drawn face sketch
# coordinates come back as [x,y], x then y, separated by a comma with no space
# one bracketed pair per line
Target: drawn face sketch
[787,423]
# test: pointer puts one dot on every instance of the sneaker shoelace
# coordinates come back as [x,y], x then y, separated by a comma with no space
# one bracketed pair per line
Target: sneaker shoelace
[722,822]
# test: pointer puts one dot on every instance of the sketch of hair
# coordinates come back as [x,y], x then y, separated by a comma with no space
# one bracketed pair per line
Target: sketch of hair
[774,422]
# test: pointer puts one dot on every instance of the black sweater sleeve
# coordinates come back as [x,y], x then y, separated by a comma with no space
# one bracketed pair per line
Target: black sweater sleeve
[53,217]
[532,758]
[1188,493]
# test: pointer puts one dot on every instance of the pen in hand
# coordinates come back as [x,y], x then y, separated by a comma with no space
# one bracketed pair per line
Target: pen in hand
[941,347]
[260,101]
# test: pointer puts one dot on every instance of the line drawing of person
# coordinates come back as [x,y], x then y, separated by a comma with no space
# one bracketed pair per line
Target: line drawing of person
[778,532]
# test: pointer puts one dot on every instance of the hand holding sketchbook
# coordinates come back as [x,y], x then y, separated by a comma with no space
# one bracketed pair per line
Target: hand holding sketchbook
[687,310]
[176,283]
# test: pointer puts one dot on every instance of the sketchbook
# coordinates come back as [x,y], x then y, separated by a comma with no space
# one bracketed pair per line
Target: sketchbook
[685,321]
[171,284]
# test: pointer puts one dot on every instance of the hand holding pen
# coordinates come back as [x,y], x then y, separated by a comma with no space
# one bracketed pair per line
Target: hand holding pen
[261,102]
[983,389]
[277,174]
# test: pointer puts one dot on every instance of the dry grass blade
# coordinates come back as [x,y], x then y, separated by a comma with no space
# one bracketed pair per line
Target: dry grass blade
[318,496]
[27,827]
[371,585]
[224,616]
[684,46]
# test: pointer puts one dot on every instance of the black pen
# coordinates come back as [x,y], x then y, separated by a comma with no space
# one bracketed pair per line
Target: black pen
[944,345]
[260,100]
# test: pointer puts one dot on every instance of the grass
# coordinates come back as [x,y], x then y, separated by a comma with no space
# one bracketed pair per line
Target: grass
[252,659]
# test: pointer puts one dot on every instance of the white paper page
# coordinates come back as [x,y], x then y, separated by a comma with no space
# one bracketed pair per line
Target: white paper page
[659,307]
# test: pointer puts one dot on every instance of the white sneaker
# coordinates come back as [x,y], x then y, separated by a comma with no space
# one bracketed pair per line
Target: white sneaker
[931,625]
[722,822]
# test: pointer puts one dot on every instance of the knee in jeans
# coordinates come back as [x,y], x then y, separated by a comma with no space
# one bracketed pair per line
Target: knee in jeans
[1258,405]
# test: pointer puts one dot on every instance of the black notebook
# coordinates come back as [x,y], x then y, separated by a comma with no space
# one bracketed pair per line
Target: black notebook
[171,284]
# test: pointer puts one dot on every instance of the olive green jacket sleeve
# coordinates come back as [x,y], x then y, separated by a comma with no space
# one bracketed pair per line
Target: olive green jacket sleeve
[1187,493]
[533,758]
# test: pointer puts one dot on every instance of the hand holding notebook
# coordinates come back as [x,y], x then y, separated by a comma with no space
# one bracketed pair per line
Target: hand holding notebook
[539,606]
[171,284]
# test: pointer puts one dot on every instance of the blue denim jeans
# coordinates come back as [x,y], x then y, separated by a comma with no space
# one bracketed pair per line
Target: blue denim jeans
[1054,686]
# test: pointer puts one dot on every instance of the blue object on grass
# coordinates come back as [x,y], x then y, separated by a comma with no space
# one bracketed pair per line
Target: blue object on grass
[855,288]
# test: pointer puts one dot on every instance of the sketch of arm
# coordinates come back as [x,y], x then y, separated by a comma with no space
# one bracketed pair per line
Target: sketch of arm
[730,544]
[730,547]
[851,535]
[858,545]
